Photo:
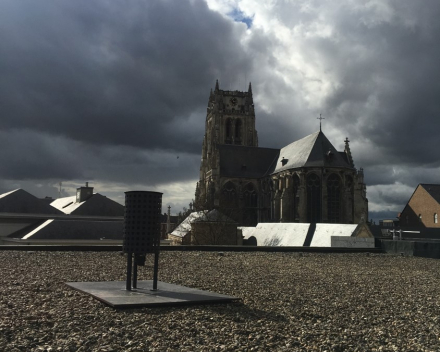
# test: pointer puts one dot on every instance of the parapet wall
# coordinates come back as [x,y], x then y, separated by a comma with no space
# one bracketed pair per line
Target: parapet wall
[412,248]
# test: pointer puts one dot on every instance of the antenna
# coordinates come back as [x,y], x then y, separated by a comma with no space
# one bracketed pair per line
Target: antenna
[59,192]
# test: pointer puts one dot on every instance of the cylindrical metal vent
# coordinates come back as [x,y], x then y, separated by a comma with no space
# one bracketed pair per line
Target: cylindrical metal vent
[142,221]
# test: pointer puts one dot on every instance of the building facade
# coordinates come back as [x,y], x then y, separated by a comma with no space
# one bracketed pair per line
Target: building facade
[306,181]
[423,208]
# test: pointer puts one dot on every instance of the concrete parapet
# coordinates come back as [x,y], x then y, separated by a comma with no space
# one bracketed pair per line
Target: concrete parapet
[412,248]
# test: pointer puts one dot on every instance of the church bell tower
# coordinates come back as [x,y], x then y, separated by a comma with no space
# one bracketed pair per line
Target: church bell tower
[230,119]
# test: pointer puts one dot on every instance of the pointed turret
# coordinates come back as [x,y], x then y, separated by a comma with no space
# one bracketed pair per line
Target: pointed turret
[348,152]
[250,89]
[216,85]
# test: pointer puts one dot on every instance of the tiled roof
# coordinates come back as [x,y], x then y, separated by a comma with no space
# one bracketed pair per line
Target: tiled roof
[433,190]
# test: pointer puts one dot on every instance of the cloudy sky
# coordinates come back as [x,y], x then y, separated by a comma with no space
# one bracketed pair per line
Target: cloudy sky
[115,92]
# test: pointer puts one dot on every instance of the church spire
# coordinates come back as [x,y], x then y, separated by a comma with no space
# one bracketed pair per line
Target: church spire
[216,85]
[250,89]
[348,152]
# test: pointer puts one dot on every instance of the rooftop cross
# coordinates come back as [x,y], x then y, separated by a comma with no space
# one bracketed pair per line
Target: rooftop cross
[320,118]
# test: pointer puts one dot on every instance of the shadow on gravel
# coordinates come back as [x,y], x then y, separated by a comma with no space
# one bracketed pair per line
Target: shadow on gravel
[236,312]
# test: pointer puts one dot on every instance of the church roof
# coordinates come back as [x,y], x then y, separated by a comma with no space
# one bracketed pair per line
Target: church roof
[249,162]
[314,150]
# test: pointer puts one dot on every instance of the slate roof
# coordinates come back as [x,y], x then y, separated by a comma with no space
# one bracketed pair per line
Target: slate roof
[96,205]
[72,230]
[433,190]
[20,201]
[314,150]
[249,162]
[185,226]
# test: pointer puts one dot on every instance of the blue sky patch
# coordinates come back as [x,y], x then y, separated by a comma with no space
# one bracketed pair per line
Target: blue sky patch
[239,16]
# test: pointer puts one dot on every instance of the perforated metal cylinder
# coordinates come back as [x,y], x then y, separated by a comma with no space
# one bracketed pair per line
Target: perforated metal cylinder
[142,221]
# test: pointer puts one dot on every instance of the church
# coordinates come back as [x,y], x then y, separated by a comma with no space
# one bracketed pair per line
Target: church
[307,181]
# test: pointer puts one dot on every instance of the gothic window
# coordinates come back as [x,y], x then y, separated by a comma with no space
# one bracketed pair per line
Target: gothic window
[229,196]
[238,132]
[295,187]
[210,194]
[313,198]
[350,204]
[251,205]
[265,201]
[228,131]
[250,196]
[334,198]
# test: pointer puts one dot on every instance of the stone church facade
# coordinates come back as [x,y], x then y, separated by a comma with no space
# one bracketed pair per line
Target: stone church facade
[306,181]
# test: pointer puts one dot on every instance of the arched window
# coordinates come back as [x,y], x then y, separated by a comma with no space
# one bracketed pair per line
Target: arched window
[229,196]
[350,204]
[238,131]
[295,198]
[334,198]
[228,131]
[250,196]
[435,218]
[313,198]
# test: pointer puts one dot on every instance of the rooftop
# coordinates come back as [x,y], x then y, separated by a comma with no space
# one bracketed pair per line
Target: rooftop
[290,301]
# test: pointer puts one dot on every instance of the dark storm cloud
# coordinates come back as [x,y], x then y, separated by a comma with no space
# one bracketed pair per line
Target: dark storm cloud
[25,154]
[112,73]
[108,92]
[116,92]
[386,71]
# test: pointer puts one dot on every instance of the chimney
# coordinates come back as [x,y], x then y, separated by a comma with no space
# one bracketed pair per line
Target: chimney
[83,193]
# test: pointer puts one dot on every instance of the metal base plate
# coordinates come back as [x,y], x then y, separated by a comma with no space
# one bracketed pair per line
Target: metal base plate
[115,295]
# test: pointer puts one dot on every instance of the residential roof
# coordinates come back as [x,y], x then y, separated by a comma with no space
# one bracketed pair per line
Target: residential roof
[433,190]
[96,205]
[20,201]
[72,230]
[66,204]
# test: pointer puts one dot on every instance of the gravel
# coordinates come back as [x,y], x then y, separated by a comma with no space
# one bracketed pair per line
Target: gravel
[290,302]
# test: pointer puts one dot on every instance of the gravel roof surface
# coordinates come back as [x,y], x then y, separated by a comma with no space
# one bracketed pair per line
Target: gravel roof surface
[290,302]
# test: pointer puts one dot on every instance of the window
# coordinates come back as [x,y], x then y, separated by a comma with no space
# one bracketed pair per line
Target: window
[435,218]
[238,126]
[313,183]
[228,132]
[334,198]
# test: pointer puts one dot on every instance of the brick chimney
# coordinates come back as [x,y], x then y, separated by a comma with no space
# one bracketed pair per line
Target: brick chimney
[83,193]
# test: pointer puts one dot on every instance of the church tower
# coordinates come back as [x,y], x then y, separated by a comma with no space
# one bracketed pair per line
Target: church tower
[230,119]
